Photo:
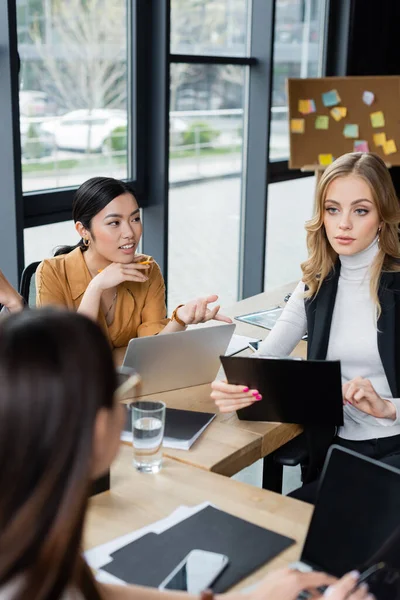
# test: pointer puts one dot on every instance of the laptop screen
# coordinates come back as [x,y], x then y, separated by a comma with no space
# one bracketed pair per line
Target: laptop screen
[357,510]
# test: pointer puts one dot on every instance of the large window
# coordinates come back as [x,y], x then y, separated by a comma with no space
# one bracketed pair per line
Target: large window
[207,109]
[73,91]
[209,27]
[299,27]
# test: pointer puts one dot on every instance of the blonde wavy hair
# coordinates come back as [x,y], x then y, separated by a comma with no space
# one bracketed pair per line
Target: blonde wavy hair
[321,256]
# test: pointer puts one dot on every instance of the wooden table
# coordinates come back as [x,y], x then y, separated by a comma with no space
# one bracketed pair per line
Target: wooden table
[136,500]
[228,444]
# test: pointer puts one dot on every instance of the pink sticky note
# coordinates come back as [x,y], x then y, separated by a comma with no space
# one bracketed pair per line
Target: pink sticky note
[361,146]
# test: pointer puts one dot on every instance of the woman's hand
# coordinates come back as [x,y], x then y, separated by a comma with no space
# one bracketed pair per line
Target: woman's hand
[360,393]
[197,311]
[286,584]
[117,273]
[8,296]
[230,397]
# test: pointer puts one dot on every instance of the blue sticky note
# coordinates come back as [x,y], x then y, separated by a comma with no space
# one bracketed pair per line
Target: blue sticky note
[350,130]
[331,98]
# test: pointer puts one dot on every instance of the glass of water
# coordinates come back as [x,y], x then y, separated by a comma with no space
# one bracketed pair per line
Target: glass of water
[148,419]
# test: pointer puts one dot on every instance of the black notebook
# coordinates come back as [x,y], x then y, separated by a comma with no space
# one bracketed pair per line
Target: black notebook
[182,427]
[306,392]
[148,560]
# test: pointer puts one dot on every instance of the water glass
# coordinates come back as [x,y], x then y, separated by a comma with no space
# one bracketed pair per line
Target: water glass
[148,420]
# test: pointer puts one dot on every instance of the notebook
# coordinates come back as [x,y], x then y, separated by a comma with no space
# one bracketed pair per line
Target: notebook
[148,560]
[182,427]
[306,392]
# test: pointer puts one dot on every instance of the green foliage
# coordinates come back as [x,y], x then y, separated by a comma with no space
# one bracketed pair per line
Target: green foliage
[33,147]
[117,141]
[199,133]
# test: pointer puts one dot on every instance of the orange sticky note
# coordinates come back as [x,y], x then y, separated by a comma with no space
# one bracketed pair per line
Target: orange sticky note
[297,125]
[303,107]
[339,112]
[379,139]
[325,159]
[377,119]
[389,147]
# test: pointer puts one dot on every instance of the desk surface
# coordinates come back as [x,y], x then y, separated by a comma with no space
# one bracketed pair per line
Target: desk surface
[228,444]
[136,500]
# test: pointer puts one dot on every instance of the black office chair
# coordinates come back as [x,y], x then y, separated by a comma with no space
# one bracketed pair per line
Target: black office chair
[307,450]
[27,287]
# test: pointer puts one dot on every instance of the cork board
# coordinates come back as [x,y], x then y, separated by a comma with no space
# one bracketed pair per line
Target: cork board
[306,147]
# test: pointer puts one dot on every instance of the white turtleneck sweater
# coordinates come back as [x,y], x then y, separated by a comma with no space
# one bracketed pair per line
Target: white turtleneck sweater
[352,340]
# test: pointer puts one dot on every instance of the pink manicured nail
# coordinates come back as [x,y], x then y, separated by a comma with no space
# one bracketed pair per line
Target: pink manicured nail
[246,389]
[255,394]
[258,397]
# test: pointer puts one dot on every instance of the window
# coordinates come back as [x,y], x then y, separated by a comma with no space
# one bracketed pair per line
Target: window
[209,27]
[290,205]
[73,91]
[298,45]
[205,174]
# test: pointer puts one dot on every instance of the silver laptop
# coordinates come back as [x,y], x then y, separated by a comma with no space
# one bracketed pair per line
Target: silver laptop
[177,360]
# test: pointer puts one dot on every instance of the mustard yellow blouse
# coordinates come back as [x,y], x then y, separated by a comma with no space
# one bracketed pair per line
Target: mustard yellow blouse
[140,307]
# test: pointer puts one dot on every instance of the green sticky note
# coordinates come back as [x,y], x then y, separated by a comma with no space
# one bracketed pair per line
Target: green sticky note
[350,131]
[377,119]
[322,122]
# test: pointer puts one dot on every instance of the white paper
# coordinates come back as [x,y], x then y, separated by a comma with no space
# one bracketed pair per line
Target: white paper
[238,343]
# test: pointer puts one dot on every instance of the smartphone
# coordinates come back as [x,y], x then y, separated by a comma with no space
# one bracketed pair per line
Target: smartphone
[254,346]
[196,572]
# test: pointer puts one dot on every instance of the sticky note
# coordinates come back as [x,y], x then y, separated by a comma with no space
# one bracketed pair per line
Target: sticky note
[350,130]
[297,125]
[306,107]
[330,98]
[368,97]
[339,112]
[377,119]
[361,146]
[389,147]
[379,139]
[325,159]
[322,122]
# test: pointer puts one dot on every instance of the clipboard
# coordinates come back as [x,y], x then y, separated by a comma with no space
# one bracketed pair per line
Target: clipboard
[304,392]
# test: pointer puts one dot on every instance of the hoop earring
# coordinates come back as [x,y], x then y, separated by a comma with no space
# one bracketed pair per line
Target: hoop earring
[86,242]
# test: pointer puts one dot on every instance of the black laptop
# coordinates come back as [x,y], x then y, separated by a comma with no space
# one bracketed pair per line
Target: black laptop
[356,520]
[306,392]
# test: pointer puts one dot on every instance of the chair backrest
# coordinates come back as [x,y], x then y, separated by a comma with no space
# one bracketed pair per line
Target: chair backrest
[27,287]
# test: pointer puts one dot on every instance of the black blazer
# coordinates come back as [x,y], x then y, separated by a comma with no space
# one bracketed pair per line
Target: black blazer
[319,311]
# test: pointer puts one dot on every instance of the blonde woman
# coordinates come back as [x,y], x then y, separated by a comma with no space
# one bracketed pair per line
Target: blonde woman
[349,303]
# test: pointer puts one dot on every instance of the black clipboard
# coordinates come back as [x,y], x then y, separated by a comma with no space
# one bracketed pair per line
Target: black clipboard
[305,392]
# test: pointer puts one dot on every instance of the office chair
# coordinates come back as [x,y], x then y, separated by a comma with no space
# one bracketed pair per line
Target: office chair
[27,287]
[307,450]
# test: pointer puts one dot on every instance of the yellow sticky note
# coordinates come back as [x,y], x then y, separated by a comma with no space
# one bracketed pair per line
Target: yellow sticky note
[377,119]
[389,147]
[339,112]
[303,107]
[379,139]
[297,125]
[325,159]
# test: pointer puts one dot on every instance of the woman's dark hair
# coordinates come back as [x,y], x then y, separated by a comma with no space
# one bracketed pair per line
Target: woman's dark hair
[90,198]
[56,372]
